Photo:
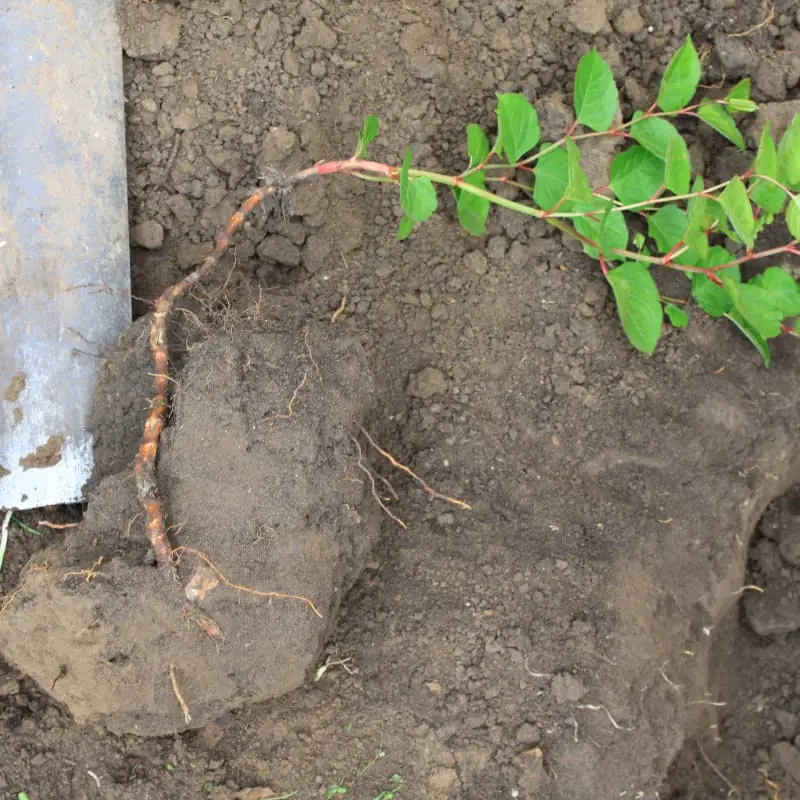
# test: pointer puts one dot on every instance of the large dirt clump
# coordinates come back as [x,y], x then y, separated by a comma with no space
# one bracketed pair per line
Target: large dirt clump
[261,477]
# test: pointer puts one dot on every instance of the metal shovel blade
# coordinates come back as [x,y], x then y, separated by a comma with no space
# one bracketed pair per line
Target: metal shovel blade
[64,255]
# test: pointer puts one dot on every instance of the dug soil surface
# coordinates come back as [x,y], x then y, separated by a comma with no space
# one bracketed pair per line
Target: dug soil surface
[588,629]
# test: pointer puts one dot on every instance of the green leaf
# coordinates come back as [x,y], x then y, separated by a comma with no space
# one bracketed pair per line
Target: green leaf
[676,315]
[405,228]
[715,115]
[473,210]
[653,133]
[720,219]
[737,206]
[757,306]
[613,232]
[662,139]
[477,145]
[793,216]
[697,207]
[680,78]
[335,791]
[638,304]
[784,289]
[636,175]
[369,130]
[736,106]
[578,184]
[699,220]
[678,171]
[551,179]
[697,242]
[517,126]
[667,227]
[764,194]
[789,155]
[604,225]
[741,91]
[417,195]
[711,297]
[753,336]
[738,98]
[595,97]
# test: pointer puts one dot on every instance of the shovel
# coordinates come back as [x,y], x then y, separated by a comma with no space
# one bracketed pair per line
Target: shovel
[64,254]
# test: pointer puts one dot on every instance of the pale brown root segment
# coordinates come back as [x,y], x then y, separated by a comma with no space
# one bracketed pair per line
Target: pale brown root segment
[146,484]
[207,574]
[148,449]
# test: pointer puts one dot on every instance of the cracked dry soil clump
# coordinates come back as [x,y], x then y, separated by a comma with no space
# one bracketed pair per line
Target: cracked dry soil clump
[598,576]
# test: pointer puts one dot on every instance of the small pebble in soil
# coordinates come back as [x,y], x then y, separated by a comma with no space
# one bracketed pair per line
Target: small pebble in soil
[426,383]
[788,758]
[148,234]
[567,688]
[278,144]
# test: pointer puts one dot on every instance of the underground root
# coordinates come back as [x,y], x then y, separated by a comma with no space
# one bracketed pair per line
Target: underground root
[278,189]
[208,575]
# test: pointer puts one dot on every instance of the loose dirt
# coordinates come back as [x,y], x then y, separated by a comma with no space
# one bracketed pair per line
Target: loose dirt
[584,632]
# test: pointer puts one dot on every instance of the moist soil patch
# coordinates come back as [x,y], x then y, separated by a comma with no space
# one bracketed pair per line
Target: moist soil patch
[577,632]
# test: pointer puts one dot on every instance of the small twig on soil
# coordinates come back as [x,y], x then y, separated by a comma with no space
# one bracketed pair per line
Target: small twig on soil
[776,789]
[749,588]
[610,718]
[94,776]
[340,310]
[342,662]
[715,703]
[371,478]
[293,399]
[397,465]
[88,574]
[716,770]
[769,15]
[311,358]
[572,721]
[534,674]
[178,551]
[676,686]
[187,717]
[205,622]
[173,155]
[56,526]
[130,524]
[385,482]
[4,535]
[62,673]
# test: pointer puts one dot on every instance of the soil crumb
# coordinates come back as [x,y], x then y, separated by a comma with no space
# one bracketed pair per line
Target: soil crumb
[15,388]
[46,455]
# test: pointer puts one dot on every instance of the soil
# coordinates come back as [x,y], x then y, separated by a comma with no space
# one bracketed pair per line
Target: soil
[585,630]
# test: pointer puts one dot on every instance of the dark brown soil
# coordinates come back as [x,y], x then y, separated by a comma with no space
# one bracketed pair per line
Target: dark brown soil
[583,632]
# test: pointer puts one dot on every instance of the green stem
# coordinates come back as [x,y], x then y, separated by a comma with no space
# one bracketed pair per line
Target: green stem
[647,203]
[458,181]
[358,168]
[25,527]
[611,132]
[772,181]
